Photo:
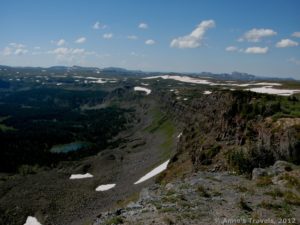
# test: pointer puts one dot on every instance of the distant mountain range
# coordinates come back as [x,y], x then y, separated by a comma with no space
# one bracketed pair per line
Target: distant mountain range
[116,71]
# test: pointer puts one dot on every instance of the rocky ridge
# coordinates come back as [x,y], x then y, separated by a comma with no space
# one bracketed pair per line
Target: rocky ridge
[271,197]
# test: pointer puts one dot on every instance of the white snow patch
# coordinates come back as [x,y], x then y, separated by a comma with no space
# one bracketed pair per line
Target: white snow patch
[148,91]
[207,92]
[105,187]
[185,99]
[193,80]
[92,78]
[179,135]
[32,221]
[58,84]
[267,83]
[81,176]
[185,79]
[154,172]
[145,84]
[98,81]
[270,90]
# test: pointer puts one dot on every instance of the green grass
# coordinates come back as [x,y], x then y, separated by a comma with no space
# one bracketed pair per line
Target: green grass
[163,125]
[270,205]
[292,181]
[275,193]
[263,181]
[4,118]
[114,220]
[5,128]
[292,198]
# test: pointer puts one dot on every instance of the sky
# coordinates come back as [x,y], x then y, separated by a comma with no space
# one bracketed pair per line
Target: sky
[219,36]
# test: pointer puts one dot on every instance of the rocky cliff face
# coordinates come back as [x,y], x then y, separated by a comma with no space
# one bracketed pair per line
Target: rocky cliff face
[226,130]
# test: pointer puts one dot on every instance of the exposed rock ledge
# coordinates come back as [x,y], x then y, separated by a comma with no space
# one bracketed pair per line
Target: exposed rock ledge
[216,198]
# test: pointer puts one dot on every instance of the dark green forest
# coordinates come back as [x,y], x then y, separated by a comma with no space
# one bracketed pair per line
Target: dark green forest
[33,121]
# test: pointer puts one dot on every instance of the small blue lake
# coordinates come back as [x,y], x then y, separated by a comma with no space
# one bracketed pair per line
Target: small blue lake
[71,147]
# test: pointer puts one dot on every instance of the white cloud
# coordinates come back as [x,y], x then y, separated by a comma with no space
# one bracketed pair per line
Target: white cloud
[284,43]
[78,51]
[14,49]
[296,34]
[98,26]
[232,49]
[149,42]
[70,55]
[143,26]
[107,36]
[16,45]
[68,51]
[132,37]
[59,42]
[256,50]
[80,40]
[60,51]
[255,35]
[294,60]
[37,47]
[194,39]
[20,51]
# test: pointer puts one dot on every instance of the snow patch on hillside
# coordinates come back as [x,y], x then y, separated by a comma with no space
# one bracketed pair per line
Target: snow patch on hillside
[81,176]
[147,90]
[274,91]
[153,172]
[32,221]
[105,187]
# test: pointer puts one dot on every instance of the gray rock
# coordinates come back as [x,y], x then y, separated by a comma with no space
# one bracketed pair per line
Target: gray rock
[258,172]
[169,186]
[280,167]
[133,205]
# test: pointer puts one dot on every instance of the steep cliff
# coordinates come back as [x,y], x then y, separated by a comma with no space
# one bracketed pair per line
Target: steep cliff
[236,130]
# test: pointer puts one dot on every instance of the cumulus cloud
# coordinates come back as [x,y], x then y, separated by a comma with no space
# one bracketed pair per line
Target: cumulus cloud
[70,55]
[20,51]
[132,37]
[256,50]
[194,39]
[107,36]
[232,49]
[296,34]
[149,42]
[68,51]
[284,43]
[98,26]
[14,49]
[59,42]
[143,26]
[80,40]
[255,35]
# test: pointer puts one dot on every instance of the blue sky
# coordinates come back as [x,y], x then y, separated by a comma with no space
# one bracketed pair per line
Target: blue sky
[258,37]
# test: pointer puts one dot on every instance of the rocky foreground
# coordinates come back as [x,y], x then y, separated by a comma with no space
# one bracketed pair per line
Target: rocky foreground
[272,196]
